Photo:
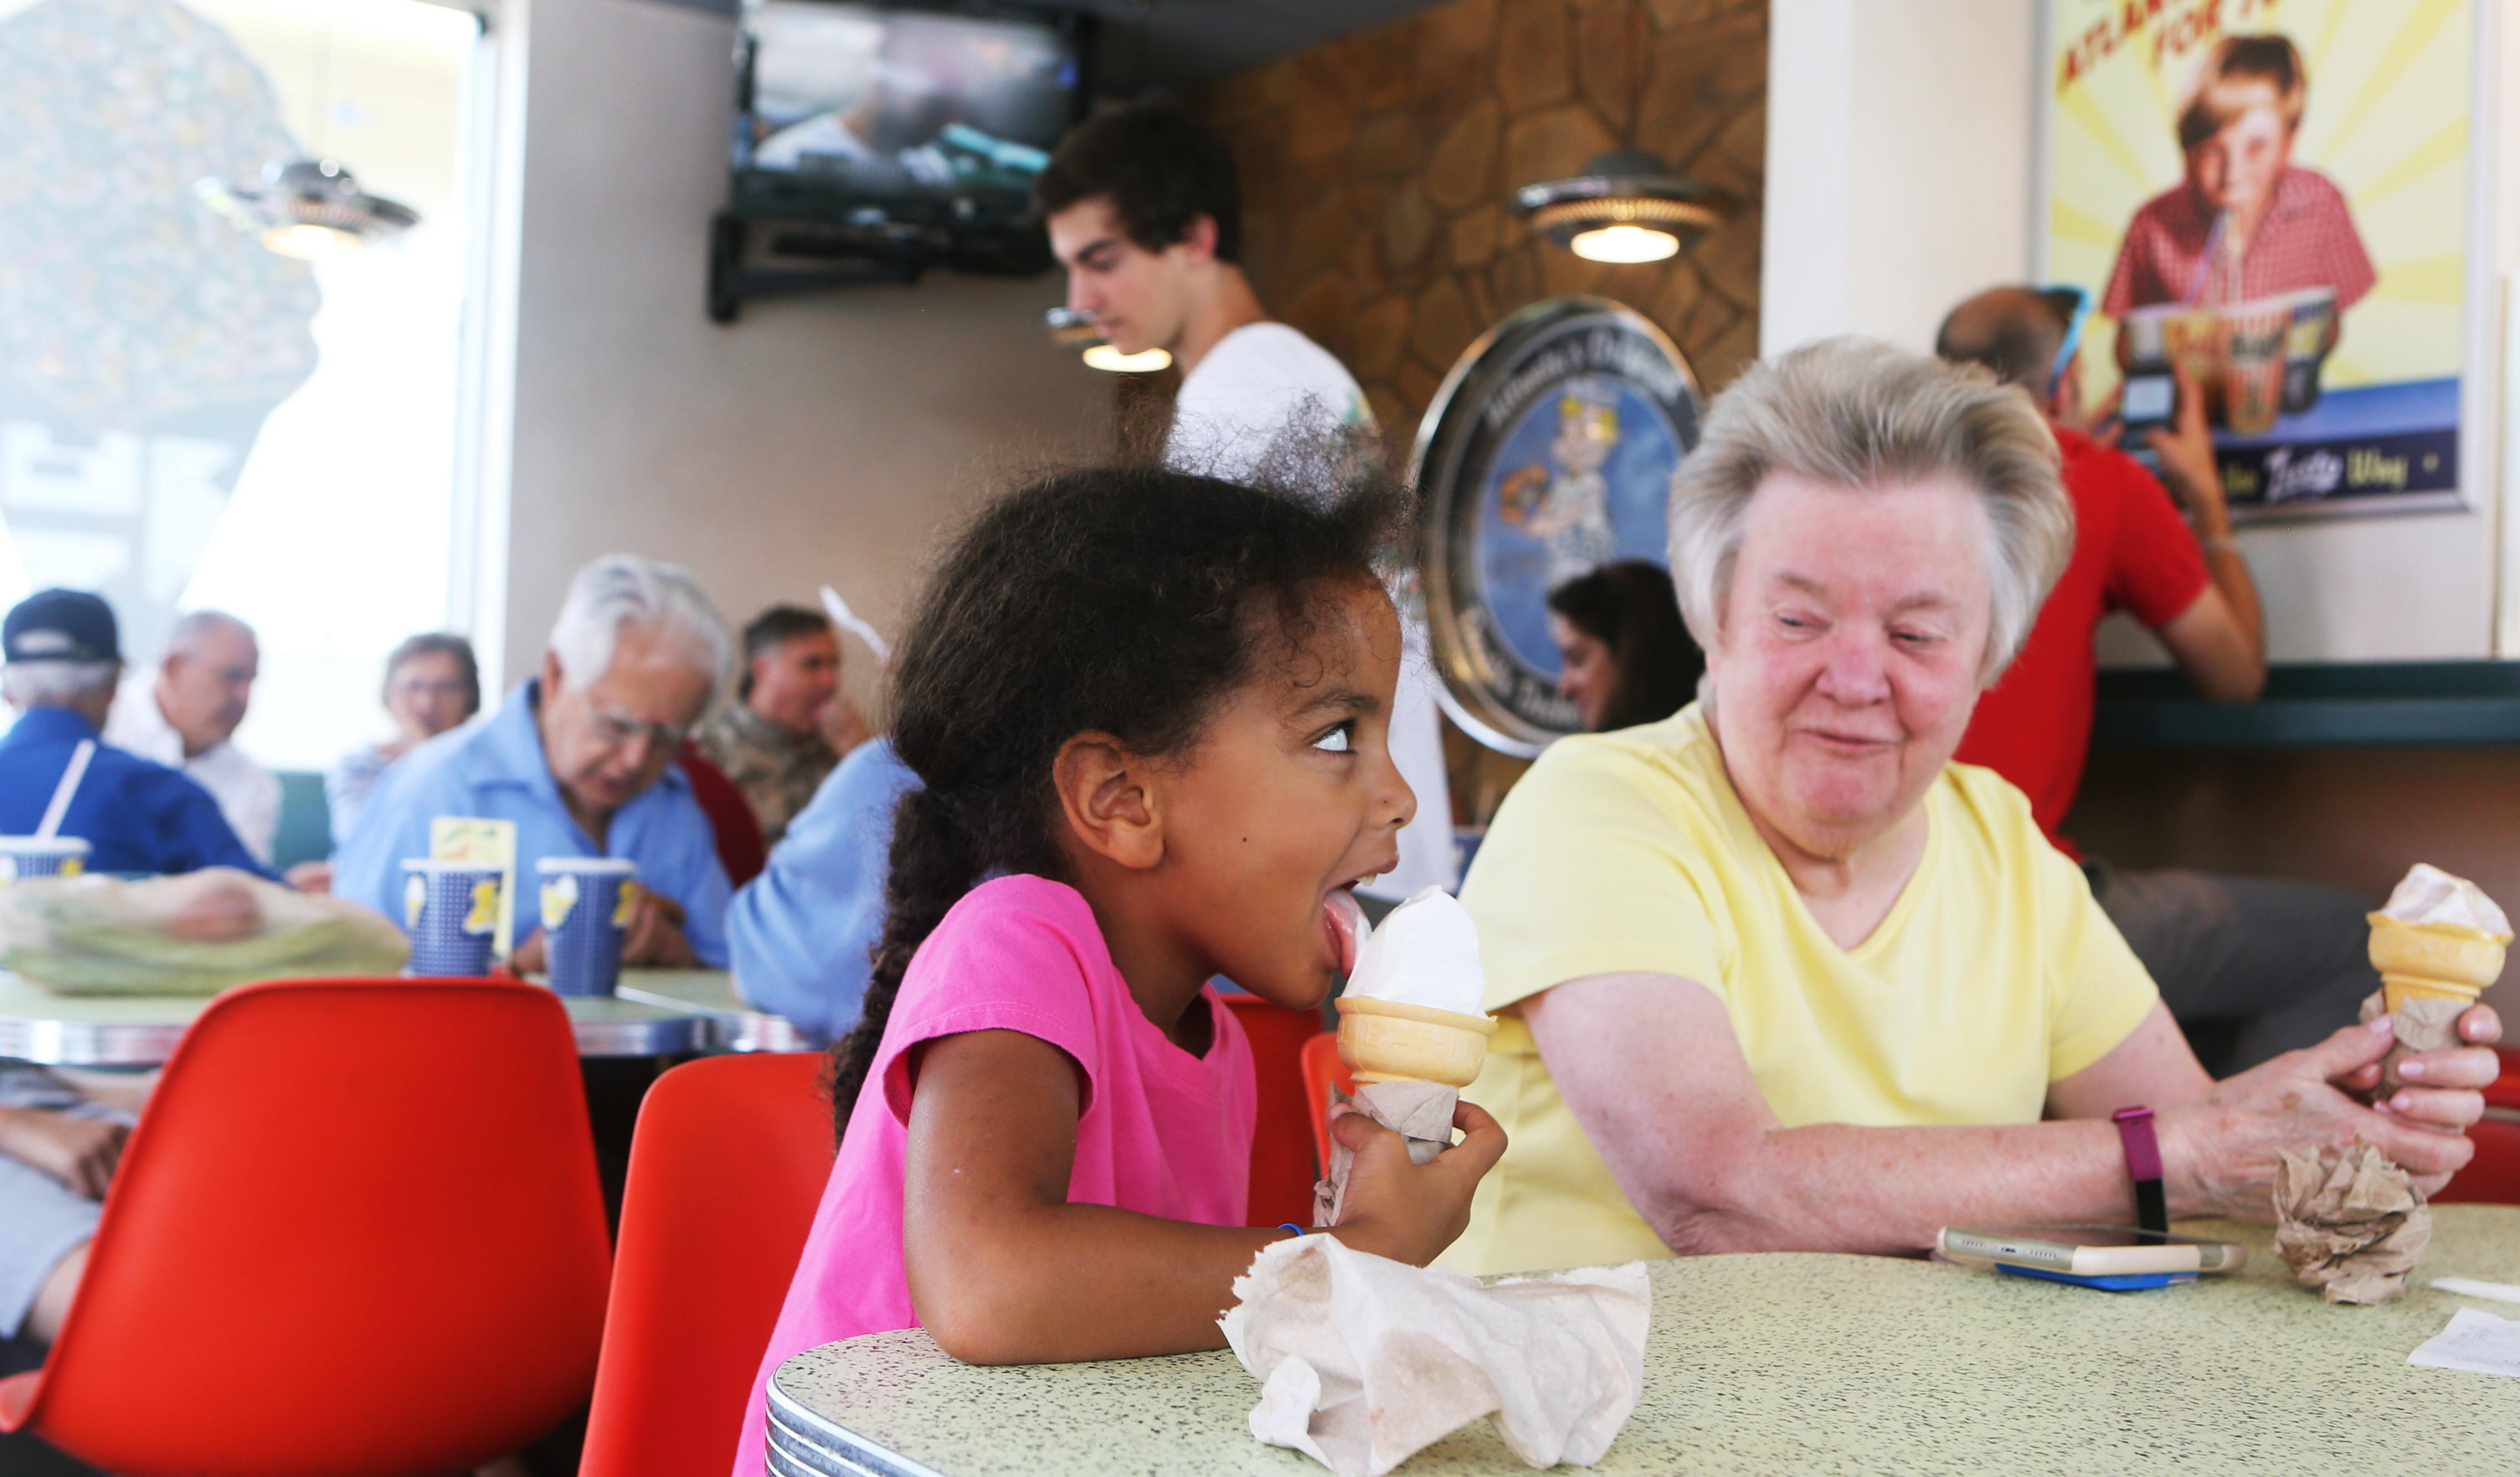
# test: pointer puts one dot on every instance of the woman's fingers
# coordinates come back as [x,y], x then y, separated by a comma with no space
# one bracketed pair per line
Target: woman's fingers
[2453,1067]
[2480,1026]
[2447,1110]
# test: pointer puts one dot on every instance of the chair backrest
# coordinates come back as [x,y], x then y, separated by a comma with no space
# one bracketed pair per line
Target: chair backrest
[1323,1071]
[357,1232]
[2505,1091]
[306,832]
[1282,1156]
[2493,1176]
[727,1166]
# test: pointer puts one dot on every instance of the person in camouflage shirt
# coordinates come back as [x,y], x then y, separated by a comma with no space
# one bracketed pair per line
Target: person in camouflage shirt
[790,722]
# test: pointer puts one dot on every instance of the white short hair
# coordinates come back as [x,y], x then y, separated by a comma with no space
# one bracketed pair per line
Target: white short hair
[46,683]
[622,589]
[1854,413]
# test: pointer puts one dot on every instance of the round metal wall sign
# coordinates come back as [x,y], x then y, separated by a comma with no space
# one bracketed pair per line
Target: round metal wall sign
[1548,453]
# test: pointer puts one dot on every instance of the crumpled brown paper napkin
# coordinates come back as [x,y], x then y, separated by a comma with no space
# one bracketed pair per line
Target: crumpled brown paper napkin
[1419,1111]
[2423,1025]
[2351,1225]
[1364,1361]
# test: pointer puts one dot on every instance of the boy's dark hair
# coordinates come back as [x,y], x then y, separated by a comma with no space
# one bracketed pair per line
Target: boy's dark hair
[771,628]
[1161,169]
[1629,607]
[439,643]
[1126,600]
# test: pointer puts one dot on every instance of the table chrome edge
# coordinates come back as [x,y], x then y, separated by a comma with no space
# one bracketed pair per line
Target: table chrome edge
[659,1036]
[89,1044]
[803,1444]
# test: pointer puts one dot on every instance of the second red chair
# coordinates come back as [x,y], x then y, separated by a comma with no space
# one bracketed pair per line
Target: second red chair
[726,1168]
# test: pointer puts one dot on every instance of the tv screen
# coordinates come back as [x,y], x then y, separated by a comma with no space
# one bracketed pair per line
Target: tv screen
[879,102]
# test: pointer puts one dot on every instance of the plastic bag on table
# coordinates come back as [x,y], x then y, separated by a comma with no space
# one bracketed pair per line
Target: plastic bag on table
[195,934]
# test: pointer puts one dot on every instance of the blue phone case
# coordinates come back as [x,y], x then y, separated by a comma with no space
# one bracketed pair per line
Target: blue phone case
[2132,1281]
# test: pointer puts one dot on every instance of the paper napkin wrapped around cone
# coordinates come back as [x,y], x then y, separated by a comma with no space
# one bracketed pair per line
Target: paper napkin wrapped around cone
[2423,1025]
[1364,1361]
[1419,1111]
[2348,1224]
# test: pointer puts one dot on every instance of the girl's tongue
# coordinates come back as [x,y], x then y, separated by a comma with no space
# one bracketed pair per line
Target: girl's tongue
[1347,928]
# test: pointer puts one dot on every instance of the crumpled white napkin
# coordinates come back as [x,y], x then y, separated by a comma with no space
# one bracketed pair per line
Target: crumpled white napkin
[1362,1361]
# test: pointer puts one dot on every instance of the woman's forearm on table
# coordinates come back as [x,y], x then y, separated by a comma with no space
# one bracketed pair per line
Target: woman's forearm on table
[1886,1190]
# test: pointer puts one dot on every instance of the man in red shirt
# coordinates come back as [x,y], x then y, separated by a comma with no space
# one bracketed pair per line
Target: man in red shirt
[2280,965]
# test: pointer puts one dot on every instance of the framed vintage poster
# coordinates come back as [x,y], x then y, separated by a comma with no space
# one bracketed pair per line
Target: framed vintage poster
[2276,202]
[1548,453]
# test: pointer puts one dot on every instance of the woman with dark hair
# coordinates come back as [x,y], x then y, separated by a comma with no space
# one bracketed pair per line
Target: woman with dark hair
[432,683]
[1627,657]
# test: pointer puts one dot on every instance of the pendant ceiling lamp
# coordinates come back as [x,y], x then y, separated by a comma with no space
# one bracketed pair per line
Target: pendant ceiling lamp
[1624,208]
[308,207]
[1070,329]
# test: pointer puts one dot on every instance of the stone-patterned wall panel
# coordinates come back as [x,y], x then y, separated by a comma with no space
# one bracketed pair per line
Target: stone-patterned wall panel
[1377,170]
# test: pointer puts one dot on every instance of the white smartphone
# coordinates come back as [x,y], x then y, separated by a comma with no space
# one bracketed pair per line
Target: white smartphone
[2086,1251]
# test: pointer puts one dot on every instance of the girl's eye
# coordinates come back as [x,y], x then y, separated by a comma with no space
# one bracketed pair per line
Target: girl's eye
[1340,739]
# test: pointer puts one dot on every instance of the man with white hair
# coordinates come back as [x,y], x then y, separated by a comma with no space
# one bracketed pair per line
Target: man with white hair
[581,758]
[64,661]
[187,719]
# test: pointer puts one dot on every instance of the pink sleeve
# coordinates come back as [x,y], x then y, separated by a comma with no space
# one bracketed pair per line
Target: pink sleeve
[1002,970]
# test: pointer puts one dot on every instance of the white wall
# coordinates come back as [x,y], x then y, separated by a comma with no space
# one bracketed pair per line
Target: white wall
[1902,157]
[819,438]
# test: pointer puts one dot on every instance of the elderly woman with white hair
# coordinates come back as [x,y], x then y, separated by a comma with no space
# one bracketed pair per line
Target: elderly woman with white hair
[1779,976]
[581,758]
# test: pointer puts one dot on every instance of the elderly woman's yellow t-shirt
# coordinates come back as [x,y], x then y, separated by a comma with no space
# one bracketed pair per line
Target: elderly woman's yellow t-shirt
[1992,976]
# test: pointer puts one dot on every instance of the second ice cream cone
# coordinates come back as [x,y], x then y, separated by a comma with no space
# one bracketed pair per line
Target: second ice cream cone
[1386,1041]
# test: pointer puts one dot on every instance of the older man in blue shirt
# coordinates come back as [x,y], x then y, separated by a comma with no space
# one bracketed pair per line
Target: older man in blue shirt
[581,758]
[64,655]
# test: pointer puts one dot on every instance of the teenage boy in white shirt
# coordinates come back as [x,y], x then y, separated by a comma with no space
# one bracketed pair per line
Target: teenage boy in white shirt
[1145,210]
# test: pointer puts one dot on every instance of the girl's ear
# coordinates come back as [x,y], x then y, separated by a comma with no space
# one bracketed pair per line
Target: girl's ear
[1110,807]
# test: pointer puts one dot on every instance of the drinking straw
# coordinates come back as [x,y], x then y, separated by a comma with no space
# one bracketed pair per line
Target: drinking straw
[61,792]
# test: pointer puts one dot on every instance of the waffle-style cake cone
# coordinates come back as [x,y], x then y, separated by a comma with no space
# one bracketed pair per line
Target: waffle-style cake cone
[2433,960]
[1383,1040]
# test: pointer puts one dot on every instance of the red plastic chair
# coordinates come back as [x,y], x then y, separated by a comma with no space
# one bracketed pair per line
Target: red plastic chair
[356,1232]
[2493,1176]
[726,1168]
[1282,1166]
[1323,1071]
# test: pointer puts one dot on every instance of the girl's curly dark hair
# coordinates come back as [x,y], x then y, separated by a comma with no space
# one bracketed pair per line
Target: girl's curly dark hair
[1125,600]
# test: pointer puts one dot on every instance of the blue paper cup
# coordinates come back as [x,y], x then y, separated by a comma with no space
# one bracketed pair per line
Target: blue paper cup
[586,909]
[451,911]
[41,857]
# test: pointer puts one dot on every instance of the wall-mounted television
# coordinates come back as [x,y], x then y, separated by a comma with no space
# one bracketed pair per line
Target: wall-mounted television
[900,114]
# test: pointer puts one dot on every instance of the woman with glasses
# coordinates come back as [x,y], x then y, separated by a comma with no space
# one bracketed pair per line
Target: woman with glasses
[432,683]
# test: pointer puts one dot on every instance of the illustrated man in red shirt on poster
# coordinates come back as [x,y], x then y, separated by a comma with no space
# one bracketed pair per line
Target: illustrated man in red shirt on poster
[2245,223]
[2283,963]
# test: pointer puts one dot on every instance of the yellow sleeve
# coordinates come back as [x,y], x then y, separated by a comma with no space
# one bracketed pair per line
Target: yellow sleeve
[1584,871]
[2098,991]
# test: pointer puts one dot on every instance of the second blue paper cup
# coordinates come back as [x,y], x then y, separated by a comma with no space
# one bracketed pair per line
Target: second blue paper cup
[586,909]
[451,911]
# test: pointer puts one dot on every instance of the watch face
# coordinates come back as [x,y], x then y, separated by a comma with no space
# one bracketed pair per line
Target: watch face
[1548,453]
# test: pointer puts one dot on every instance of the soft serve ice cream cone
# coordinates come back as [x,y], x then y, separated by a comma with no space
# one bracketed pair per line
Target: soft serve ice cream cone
[1412,1011]
[2438,938]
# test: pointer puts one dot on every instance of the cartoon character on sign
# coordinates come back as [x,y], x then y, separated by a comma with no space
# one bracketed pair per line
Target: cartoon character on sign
[560,895]
[484,912]
[1569,512]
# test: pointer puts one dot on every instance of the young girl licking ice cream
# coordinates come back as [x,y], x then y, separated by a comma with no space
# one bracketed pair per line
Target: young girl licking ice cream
[1149,714]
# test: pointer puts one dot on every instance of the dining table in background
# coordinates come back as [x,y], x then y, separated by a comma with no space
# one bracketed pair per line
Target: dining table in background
[732,1024]
[1791,1363]
[141,1030]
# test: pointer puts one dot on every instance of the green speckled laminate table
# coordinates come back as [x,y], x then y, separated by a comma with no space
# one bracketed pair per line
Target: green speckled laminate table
[1791,1364]
[734,1025]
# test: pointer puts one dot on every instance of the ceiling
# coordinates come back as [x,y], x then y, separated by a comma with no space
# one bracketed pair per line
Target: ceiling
[1149,44]
[1153,45]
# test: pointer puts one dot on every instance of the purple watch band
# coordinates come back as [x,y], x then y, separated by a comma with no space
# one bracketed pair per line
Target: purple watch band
[2144,1166]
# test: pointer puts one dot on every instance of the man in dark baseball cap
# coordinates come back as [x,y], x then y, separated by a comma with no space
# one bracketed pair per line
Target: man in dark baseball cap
[62,660]
[61,625]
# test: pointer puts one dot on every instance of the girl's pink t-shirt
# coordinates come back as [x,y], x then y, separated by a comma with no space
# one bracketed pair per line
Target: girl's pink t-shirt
[1159,1131]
